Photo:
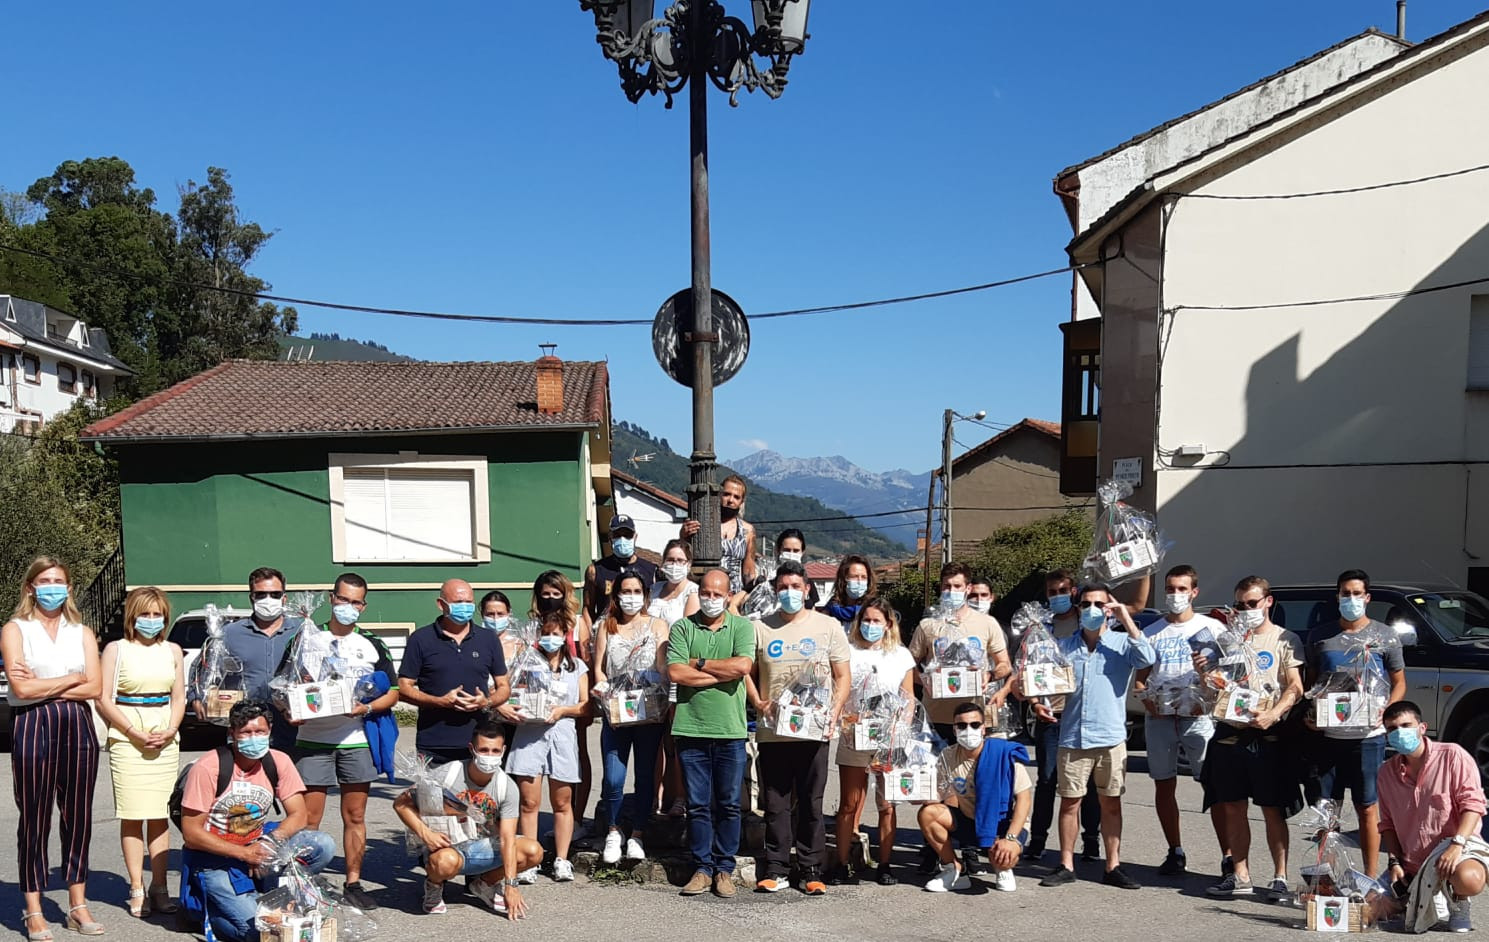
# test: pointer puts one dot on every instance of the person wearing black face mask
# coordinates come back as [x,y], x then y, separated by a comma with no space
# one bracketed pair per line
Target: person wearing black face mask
[736,537]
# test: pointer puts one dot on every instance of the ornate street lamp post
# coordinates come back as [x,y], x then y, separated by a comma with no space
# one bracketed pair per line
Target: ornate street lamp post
[692,43]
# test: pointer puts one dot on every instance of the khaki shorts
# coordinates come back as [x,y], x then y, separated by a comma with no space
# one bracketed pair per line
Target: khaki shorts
[1105,768]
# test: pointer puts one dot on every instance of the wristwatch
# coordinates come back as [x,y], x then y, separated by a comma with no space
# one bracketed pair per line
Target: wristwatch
[701,662]
[1015,838]
[1460,840]
[510,884]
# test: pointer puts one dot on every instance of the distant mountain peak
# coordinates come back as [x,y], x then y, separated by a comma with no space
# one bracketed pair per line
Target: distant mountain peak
[842,485]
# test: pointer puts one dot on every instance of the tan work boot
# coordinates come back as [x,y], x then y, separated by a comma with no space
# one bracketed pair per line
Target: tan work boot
[699,884]
[723,885]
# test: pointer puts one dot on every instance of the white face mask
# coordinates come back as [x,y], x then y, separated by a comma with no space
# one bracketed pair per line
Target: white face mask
[674,572]
[487,763]
[1177,602]
[790,556]
[268,609]
[711,607]
[968,738]
[631,603]
[1248,619]
[981,605]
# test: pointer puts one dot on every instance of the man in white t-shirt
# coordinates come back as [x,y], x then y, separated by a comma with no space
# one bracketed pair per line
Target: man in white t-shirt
[333,751]
[1165,728]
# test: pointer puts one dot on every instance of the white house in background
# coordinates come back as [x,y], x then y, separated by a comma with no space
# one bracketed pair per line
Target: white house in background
[48,361]
[1291,350]
[656,512]
[822,576]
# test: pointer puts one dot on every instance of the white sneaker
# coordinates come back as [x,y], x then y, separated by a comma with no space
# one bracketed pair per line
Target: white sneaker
[528,877]
[634,850]
[611,853]
[1440,903]
[1458,916]
[950,878]
[488,894]
[563,871]
[434,898]
[1003,880]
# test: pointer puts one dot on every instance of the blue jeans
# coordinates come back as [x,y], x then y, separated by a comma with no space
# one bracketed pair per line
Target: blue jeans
[231,903]
[714,772]
[618,743]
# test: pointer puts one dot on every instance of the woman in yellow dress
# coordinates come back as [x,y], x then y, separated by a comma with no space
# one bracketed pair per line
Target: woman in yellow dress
[143,703]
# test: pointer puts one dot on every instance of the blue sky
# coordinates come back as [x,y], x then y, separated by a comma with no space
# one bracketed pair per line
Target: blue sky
[480,158]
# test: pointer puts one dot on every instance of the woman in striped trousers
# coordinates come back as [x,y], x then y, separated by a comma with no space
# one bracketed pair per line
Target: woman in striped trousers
[51,661]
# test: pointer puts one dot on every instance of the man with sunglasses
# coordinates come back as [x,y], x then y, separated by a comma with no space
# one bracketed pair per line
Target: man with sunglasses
[986,801]
[1252,762]
[258,642]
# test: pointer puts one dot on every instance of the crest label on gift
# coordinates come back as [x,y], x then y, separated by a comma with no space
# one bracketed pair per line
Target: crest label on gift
[1335,914]
[911,783]
[869,733]
[1347,711]
[327,698]
[1044,679]
[952,683]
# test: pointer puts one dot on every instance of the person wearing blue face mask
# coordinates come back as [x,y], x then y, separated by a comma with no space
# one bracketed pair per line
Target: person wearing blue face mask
[226,799]
[599,578]
[1093,727]
[1350,758]
[452,672]
[143,703]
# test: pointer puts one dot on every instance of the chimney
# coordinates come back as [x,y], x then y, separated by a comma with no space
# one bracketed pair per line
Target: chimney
[1401,20]
[550,381]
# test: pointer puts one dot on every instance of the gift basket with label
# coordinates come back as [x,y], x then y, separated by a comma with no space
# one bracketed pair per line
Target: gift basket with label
[535,692]
[1355,695]
[1336,895]
[1236,692]
[803,710]
[305,907]
[1126,544]
[1043,670]
[637,694]
[314,679]
[908,765]
[871,713]
[441,809]
[954,670]
[217,676]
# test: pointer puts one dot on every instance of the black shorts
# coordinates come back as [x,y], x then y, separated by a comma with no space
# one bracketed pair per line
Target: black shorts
[1250,766]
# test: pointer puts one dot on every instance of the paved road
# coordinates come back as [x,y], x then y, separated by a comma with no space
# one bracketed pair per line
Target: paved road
[1165,909]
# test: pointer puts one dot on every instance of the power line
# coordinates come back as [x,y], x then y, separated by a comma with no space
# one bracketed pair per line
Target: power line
[1317,302]
[1339,192]
[542,321]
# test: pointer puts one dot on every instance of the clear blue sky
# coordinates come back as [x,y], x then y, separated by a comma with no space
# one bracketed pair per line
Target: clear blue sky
[480,158]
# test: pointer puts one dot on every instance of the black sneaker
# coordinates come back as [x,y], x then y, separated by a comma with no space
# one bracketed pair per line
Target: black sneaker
[930,864]
[1229,886]
[971,865]
[1175,864]
[884,876]
[1091,849]
[1033,852]
[1227,866]
[840,875]
[358,897]
[1058,877]
[1115,877]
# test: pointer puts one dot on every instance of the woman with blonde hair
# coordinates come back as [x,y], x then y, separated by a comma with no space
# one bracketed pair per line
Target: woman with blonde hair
[51,660]
[143,702]
[881,669]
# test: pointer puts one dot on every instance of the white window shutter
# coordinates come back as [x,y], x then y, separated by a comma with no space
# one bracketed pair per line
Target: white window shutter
[365,495]
[430,515]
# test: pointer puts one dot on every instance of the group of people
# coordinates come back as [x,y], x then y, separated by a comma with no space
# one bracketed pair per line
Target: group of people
[1424,805]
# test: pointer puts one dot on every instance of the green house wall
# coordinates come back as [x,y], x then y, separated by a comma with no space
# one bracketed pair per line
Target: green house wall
[199,517]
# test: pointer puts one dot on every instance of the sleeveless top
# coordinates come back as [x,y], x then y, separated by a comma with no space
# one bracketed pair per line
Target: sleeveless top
[733,552]
[48,658]
[619,648]
[608,569]
[672,610]
[144,671]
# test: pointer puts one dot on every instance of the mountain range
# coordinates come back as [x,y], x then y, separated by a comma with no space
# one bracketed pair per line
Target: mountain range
[841,484]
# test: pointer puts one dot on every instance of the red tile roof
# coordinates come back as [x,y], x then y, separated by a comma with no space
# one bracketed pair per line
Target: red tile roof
[1051,429]
[821,572]
[243,399]
[664,496]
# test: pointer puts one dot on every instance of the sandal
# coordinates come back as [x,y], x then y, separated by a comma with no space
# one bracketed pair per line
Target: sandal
[45,933]
[79,926]
[161,901]
[139,907]
[679,808]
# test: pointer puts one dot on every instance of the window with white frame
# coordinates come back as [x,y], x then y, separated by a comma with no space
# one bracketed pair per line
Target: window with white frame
[67,378]
[90,385]
[409,508]
[31,369]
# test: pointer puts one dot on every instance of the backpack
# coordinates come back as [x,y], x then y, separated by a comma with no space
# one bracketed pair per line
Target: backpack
[224,777]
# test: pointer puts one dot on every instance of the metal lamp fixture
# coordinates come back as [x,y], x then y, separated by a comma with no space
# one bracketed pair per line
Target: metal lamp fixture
[655,53]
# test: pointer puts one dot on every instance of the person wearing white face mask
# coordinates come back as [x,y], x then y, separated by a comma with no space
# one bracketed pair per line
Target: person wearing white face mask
[1164,729]
[986,800]
[786,641]
[625,638]
[980,596]
[143,703]
[493,861]
[976,630]
[1252,763]
[674,598]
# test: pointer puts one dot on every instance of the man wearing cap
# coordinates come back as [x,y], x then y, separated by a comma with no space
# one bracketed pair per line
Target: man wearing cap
[622,559]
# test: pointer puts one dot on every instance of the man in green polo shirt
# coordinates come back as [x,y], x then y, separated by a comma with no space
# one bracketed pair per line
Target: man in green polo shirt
[709,655]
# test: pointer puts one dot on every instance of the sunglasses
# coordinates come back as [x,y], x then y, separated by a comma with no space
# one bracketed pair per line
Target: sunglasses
[1246,606]
[975,724]
[277,594]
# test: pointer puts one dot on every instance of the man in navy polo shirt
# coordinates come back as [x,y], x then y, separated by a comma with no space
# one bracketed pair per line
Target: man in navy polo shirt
[452,674]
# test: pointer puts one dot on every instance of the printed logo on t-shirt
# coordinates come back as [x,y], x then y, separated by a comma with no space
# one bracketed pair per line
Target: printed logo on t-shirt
[960,784]
[238,814]
[1264,660]
[778,648]
[486,804]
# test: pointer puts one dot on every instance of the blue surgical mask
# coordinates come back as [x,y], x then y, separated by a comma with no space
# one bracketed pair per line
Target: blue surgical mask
[872,631]
[791,600]
[623,546]
[148,627]
[953,598]
[551,643]
[462,612]
[50,597]
[857,588]
[253,747]
[1404,740]
[345,614]
[1093,618]
[1060,604]
[498,624]
[1351,607]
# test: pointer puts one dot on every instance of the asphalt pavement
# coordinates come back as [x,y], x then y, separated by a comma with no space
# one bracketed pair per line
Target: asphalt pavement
[1165,908]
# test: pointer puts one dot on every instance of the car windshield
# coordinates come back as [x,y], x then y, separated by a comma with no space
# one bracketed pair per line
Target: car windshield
[1457,617]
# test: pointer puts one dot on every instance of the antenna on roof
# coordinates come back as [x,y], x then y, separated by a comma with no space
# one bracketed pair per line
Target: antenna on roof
[1401,20]
[548,348]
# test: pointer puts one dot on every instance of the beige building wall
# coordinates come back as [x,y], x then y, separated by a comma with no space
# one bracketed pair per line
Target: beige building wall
[1015,482]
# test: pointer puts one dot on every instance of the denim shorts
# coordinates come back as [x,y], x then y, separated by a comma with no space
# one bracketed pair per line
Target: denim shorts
[482,856]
